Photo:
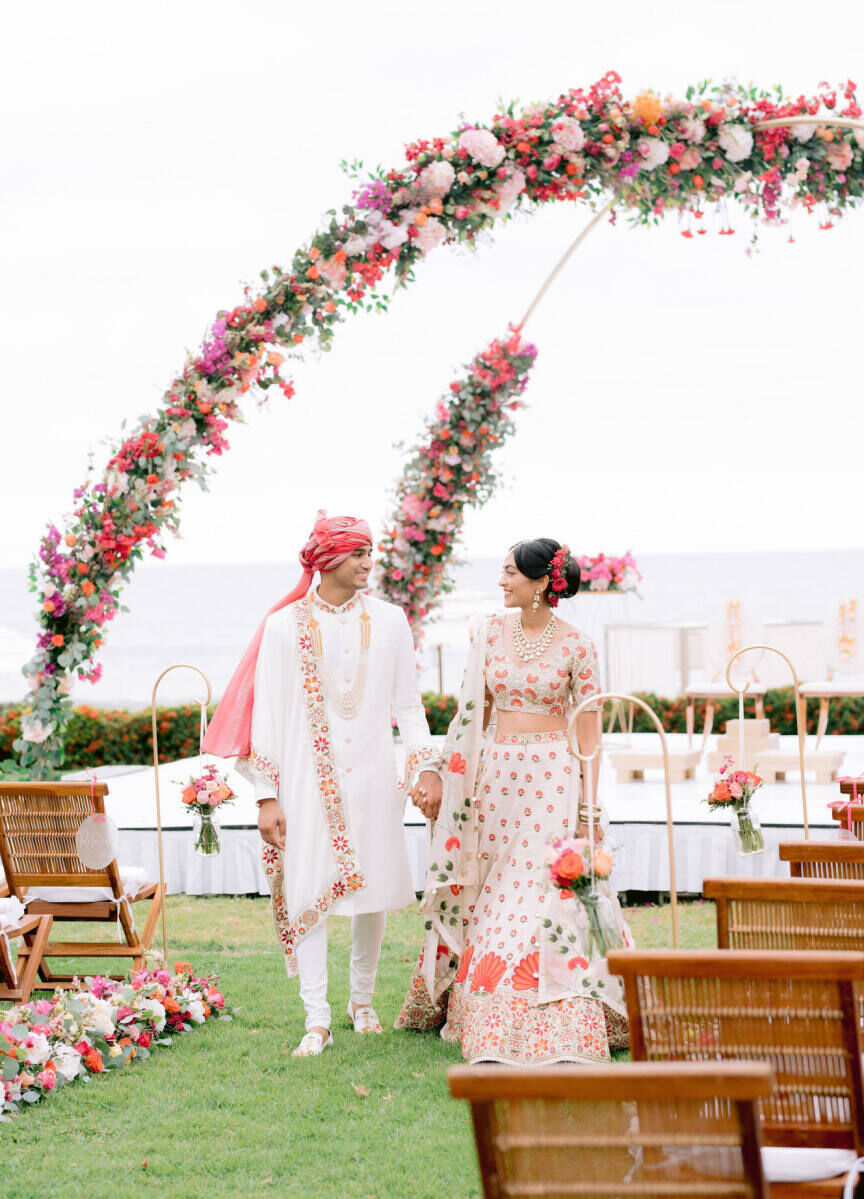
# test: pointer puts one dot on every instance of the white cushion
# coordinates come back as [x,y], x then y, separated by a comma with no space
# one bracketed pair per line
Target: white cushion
[834,687]
[722,688]
[806,1165]
[12,911]
[132,879]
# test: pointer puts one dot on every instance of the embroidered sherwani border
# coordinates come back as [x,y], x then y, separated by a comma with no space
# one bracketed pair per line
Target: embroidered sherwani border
[290,929]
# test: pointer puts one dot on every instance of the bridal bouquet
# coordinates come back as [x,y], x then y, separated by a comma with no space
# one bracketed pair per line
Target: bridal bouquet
[202,795]
[735,789]
[569,862]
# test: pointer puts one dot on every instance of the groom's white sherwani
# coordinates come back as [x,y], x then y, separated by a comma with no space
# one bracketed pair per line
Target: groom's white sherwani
[335,777]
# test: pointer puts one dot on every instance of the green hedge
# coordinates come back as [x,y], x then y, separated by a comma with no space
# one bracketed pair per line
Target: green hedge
[96,736]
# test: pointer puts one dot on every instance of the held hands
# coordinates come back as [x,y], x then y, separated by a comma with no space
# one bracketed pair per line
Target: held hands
[426,794]
[271,823]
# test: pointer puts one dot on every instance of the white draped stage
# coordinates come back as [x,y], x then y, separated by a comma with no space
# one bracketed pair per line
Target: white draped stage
[703,843]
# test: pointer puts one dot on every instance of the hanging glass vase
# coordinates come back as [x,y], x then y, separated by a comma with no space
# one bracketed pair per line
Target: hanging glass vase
[746,831]
[602,930]
[205,826]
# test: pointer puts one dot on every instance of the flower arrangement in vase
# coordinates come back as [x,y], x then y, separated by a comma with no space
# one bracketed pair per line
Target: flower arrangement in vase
[735,789]
[569,862]
[204,795]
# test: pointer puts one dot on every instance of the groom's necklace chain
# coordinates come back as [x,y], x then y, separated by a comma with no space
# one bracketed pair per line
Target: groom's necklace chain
[347,703]
[529,650]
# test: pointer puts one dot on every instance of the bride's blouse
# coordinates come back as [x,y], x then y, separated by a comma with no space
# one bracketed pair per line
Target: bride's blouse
[567,673]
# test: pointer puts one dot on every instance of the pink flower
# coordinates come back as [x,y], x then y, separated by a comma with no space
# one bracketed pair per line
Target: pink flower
[690,159]
[736,790]
[482,146]
[47,1079]
[436,179]
[460,212]
[840,156]
[567,134]
[430,235]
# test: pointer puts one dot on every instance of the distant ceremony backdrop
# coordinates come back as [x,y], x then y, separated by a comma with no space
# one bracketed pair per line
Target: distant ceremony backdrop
[646,157]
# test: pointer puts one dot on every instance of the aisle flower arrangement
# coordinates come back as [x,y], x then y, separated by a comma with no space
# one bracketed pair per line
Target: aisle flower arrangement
[101,1026]
[450,470]
[569,866]
[203,795]
[734,789]
[649,155]
[605,573]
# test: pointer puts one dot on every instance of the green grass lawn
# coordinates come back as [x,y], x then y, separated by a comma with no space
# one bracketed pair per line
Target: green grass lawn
[226,1111]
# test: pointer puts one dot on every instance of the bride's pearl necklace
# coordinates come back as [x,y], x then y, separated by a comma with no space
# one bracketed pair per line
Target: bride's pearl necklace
[529,650]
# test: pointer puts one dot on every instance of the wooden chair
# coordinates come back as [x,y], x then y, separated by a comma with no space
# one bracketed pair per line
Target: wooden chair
[795,1010]
[824,859]
[17,978]
[38,823]
[787,913]
[628,1129]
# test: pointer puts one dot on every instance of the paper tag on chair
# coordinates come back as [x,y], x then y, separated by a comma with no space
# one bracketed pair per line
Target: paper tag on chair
[97,841]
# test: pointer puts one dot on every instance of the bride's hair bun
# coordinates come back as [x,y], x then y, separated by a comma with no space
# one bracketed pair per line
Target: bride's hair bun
[534,560]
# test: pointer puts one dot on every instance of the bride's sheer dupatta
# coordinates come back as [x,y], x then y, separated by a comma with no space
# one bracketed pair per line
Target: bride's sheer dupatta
[452,876]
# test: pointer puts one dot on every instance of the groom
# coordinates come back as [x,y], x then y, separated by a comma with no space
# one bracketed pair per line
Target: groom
[309,713]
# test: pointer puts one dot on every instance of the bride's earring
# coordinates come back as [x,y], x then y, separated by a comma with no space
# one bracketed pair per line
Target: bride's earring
[536,603]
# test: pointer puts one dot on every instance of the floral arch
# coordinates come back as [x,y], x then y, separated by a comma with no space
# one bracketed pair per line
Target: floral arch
[647,156]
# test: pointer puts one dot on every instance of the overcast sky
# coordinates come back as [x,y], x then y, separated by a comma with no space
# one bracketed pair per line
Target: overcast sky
[157,156]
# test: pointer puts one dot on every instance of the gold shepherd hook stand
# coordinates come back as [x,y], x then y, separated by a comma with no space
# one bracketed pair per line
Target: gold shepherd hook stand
[204,703]
[740,691]
[670,835]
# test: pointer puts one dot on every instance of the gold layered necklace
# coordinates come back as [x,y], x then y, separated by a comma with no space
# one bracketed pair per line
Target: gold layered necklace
[347,703]
[529,650]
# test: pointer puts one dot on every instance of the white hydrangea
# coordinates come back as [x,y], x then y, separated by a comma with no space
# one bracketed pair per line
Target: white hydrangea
[67,1060]
[692,130]
[436,179]
[567,134]
[653,151]
[736,141]
[430,235]
[482,146]
[391,235]
[803,133]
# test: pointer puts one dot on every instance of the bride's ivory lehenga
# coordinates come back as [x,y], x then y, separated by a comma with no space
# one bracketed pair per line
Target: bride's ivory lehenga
[489,972]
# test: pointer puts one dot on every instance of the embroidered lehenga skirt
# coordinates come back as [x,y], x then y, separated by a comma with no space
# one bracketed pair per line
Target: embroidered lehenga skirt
[516,998]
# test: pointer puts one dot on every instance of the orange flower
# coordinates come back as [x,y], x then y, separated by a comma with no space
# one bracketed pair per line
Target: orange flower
[58,639]
[82,568]
[435,206]
[674,167]
[603,863]
[523,147]
[698,181]
[275,359]
[488,973]
[182,968]
[526,974]
[260,305]
[151,479]
[48,606]
[87,587]
[329,306]
[170,1005]
[457,764]
[92,1059]
[298,337]
[437,550]
[339,256]
[71,539]
[313,272]
[314,254]
[570,865]
[189,794]
[648,107]
[464,965]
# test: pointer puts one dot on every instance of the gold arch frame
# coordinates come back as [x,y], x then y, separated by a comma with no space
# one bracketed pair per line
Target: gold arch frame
[670,824]
[203,703]
[740,691]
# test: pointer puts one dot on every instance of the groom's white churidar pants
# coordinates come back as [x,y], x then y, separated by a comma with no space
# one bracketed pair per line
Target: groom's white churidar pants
[367,933]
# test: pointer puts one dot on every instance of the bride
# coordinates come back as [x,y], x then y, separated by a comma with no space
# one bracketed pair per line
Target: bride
[508,966]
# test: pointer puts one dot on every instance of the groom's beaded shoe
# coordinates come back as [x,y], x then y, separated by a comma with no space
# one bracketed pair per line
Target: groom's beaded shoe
[363,1018]
[313,1044]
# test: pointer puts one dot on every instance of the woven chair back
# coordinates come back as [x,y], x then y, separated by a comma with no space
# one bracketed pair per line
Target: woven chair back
[826,859]
[38,823]
[789,913]
[795,1010]
[625,1129]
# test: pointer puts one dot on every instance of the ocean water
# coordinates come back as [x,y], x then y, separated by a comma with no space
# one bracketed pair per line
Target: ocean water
[206,615]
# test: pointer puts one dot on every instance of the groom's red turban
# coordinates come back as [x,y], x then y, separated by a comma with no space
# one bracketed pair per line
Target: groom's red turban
[333,540]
